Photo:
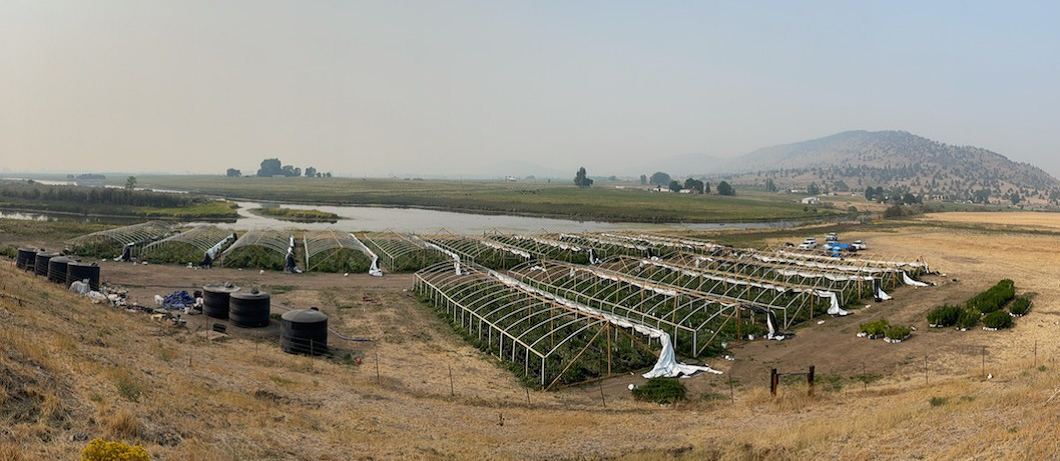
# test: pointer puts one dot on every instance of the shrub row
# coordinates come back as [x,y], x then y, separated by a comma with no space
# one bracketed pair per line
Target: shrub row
[994,298]
[881,328]
[1020,306]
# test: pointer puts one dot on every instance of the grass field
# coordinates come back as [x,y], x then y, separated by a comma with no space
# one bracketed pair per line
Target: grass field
[539,198]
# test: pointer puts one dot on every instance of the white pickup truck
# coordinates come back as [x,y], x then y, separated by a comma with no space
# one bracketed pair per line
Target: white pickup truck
[808,244]
[859,245]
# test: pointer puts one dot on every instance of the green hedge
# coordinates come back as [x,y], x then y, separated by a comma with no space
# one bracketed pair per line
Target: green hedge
[997,319]
[877,328]
[661,390]
[994,298]
[1020,306]
[969,318]
[897,332]
[944,315]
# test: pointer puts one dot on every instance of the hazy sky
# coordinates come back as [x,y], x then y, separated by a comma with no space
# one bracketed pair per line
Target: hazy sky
[372,88]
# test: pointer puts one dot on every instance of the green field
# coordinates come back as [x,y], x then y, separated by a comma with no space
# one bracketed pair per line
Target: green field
[602,202]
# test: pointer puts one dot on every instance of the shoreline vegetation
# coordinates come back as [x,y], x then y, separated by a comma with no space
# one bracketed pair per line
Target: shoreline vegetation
[294,214]
[607,202]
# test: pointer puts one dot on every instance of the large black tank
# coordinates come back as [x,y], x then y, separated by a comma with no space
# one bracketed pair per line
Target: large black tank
[27,257]
[76,272]
[249,309]
[304,331]
[40,264]
[57,269]
[215,299]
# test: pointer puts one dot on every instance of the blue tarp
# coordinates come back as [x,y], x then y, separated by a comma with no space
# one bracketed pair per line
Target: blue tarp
[178,300]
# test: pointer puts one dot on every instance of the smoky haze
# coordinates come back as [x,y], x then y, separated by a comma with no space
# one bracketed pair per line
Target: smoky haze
[494,88]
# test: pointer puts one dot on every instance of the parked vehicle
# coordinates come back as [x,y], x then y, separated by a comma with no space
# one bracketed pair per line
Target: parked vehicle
[832,237]
[808,244]
[859,245]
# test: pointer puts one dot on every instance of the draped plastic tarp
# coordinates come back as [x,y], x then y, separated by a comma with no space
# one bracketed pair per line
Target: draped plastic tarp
[666,366]
[373,270]
[456,257]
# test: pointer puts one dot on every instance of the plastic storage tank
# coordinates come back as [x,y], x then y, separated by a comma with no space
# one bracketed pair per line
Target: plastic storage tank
[57,269]
[27,257]
[249,309]
[76,272]
[304,331]
[40,264]
[215,299]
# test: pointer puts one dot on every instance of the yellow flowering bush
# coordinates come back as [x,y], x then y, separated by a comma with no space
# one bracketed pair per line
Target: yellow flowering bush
[102,450]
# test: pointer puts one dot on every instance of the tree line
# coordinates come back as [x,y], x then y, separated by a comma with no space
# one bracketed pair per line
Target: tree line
[94,195]
[274,167]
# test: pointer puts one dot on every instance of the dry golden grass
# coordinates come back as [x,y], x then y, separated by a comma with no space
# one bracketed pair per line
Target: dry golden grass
[244,399]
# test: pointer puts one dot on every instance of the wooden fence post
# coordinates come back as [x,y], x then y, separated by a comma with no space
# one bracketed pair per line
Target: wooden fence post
[774,379]
[809,379]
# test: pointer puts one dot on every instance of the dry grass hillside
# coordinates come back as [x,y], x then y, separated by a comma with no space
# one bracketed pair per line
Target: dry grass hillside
[71,371]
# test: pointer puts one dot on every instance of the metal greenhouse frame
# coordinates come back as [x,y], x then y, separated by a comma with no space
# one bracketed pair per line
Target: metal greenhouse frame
[793,302]
[693,319]
[402,252]
[126,236]
[318,242]
[272,240]
[545,248]
[488,253]
[543,340]
[199,239]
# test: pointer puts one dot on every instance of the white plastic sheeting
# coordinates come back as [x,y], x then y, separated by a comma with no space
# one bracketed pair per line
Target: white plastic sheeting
[906,279]
[548,242]
[498,246]
[212,252]
[665,366]
[605,241]
[373,270]
[456,257]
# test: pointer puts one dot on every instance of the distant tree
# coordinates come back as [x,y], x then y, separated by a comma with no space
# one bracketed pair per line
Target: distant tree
[643,179]
[327,175]
[233,173]
[290,171]
[724,188]
[910,199]
[310,172]
[770,185]
[675,186]
[660,179]
[870,194]
[581,180]
[1015,198]
[270,167]
[694,184]
[320,175]
[841,186]
[706,187]
[612,178]
[130,183]
[812,189]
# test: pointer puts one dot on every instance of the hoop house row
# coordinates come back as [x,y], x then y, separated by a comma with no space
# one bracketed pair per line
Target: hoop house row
[481,251]
[543,340]
[791,301]
[541,247]
[402,252]
[198,245]
[694,320]
[332,251]
[118,242]
[261,249]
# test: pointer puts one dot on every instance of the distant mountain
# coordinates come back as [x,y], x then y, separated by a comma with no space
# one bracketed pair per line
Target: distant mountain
[894,160]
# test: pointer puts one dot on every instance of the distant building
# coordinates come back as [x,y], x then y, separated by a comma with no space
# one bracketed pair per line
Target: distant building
[811,201]
[509,178]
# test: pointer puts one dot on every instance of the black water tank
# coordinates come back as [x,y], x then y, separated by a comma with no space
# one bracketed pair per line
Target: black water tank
[249,309]
[57,269]
[304,331]
[215,299]
[27,257]
[40,264]
[76,272]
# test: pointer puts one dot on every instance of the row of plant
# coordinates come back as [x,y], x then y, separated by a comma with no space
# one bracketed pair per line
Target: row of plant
[575,348]
[339,260]
[987,307]
[883,329]
[400,255]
